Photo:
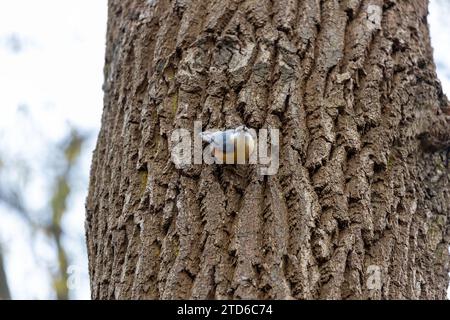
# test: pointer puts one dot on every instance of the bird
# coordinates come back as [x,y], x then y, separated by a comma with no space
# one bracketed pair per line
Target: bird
[232,146]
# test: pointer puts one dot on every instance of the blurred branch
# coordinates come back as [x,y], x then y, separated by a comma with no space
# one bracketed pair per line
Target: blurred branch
[14,201]
[13,197]
[4,288]
[71,150]
[11,193]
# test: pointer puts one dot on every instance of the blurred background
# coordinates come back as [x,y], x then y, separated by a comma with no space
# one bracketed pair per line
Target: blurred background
[51,74]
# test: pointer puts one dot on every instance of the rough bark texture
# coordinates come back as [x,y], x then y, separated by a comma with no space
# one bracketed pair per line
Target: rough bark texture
[351,94]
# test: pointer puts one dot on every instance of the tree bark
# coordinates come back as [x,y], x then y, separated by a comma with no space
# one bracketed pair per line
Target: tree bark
[358,208]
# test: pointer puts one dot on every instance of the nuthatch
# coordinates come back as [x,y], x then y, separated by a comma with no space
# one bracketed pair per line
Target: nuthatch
[230,146]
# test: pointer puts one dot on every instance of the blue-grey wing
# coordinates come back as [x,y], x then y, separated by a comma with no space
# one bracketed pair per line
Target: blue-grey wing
[224,141]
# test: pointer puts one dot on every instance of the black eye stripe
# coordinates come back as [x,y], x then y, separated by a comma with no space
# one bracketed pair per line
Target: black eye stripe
[224,142]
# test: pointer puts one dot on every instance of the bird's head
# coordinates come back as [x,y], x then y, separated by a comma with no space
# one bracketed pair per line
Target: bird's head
[241,129]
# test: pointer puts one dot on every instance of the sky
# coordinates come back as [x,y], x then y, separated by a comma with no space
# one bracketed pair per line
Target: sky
[439,22]
[51,74]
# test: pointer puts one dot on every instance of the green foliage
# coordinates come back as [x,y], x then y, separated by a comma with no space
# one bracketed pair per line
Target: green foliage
[71,149]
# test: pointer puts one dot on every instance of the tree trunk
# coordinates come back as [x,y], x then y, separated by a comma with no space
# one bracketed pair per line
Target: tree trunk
[358,208]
